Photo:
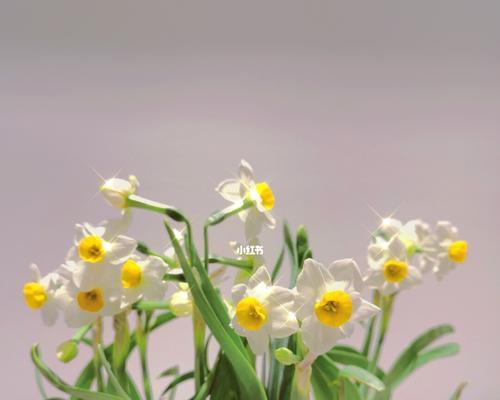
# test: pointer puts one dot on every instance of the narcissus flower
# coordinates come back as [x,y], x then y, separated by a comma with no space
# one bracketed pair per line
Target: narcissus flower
[116,191]
[413,234]
[446,249]
[105,242]
[328,302]
[143,279]
[262,311]
[40,294]
[246,189]
[100,297]
[389,269]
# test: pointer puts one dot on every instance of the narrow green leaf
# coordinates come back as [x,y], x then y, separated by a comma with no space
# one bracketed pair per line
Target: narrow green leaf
[346,356]
[179,379]
[457,394]
[363,376]
[322,388]
[112,377]
[170,371]
[292,250]
[81,394]
[349,390]
[445,350]
[410,353]
[277,265]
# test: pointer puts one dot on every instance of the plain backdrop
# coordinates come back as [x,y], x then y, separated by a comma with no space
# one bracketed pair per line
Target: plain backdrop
[343,107]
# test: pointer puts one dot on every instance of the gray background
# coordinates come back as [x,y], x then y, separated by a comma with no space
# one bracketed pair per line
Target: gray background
[339,105]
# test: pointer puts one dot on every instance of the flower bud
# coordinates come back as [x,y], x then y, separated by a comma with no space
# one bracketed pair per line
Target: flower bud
[181,303]
[286,356]
[67,351]
[116,191]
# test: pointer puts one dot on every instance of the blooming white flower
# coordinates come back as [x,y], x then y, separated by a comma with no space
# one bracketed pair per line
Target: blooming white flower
[328,302]
[40,294]
[100,297]
[445,249]
[116,191]
[104,242]
[143,279]
[246,189]
[262,311]
[389,268]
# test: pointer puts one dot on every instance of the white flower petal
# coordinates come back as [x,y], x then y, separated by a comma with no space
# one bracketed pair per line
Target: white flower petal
[122,248]
[35,275]
[50,312]
[397,248]
[258,341]
[318,337]
[312,279]
[347,270]
[229,189]
[366,310]
[283,322]
[246,172]
[260,276]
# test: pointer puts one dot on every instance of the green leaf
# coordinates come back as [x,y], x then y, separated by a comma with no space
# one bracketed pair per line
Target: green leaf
[321,384]
[177,380]
[347,356]
[348,390]
[277,265]
[81,394]
[292,250]
[445,350]
[170,371]
[407,357]
[363,376]
[112,377]
[302,244]
[457,394]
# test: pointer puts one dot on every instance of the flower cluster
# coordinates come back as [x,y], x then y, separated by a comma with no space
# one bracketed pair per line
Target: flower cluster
[107,273]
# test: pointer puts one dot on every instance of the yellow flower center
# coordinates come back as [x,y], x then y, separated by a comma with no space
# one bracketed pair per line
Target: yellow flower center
[266,195]
[395,271]
[334,309]
[92,301]
[457,251]
[131,274]
[34,295]
[91,249]
[251,314]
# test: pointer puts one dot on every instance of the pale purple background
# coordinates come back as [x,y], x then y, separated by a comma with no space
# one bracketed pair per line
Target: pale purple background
[339,105]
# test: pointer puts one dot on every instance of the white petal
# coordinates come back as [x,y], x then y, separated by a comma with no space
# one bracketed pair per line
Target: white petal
[238,292]
[318,337]
[260,276]
[313,278]
[35,275]
[445,230]
[246,172]
[365,311]
[116,226]
[279,296]
[376,251]
[374,278]
[258,341]
[229,190]
[283,322]
[397,248]
[50,312]
[122,248]
[347,270]
[254,223]
[388,288]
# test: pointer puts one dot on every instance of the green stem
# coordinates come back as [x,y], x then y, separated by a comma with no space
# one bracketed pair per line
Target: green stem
[369,333]
[152,305]
[387,303]
[144,249]
[141,334]
[80,333]
[246,265]
[97,359]
[219,216]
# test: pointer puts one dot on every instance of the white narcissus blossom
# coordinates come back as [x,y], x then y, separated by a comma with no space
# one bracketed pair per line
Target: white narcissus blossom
[143,279]
[328,302]
[116,191]
[40,294]
[389,269]
[445,249]
[262,311]
[101,296]
[246,189]
[105,242]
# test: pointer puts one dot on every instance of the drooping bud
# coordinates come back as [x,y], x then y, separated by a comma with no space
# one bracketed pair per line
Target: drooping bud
[116,191]
[286,356]
[67,351]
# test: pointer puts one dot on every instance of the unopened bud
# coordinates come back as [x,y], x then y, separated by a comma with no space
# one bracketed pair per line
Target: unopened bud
[67,351]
